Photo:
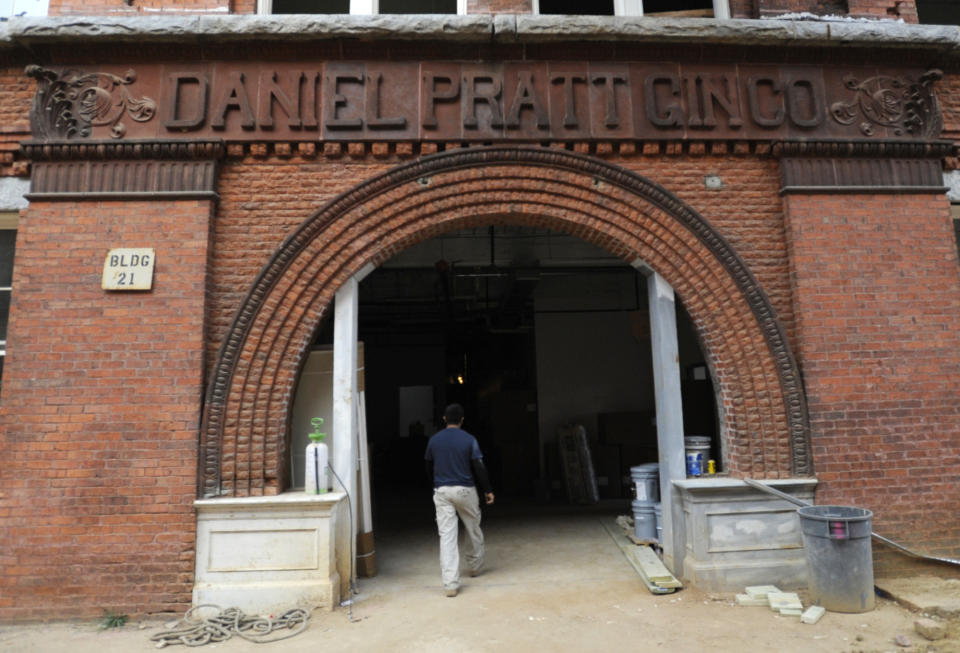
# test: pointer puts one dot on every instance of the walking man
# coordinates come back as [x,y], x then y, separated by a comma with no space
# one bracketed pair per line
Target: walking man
[455,464]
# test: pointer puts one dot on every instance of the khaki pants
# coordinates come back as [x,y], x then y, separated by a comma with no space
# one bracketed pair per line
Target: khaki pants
[450,501]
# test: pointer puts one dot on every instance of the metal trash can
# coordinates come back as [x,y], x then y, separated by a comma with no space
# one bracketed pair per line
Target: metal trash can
[839,558]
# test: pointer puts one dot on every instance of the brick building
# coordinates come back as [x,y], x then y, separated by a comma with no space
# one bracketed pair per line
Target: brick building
[728,218]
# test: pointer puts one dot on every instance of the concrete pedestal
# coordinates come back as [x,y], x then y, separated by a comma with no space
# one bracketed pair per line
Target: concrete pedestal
[737,536]
[269,554]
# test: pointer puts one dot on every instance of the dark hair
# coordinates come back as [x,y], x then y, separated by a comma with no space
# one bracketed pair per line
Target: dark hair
[453,414]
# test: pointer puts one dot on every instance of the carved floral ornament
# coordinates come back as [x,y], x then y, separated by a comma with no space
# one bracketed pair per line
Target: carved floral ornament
[68,104]
[356,102]
[900,103]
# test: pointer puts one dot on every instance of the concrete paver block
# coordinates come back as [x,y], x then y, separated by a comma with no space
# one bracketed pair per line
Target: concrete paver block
[930,629]
[761,591]
[749,601]
[812,614]
[784,601]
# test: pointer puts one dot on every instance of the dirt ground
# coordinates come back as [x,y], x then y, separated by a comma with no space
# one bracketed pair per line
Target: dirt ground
[553,582]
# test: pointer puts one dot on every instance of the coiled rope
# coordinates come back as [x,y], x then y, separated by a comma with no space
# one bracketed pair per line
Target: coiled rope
[190,631]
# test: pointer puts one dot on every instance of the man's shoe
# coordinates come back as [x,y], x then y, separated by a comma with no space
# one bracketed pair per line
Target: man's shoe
[475,572]
[451,592]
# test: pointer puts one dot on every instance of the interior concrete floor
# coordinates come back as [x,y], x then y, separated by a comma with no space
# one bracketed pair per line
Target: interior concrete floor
[555,581]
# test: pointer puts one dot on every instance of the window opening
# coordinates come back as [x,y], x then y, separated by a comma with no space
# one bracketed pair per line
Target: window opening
[418,6]
[664,8]
[8,237]
[955,212]
[679,7]
[311,6]
[938,12]
[361,7]
[576,7]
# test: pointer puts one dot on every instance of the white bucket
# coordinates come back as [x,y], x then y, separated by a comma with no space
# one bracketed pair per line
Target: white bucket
[646,479]
[698,451]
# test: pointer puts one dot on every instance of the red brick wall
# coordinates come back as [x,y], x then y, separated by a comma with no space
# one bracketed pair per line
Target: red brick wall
[261,202]
[16,93]
[877,299]
[757,435]
[743,9]
[258,208]
[747,210]
[905,9]
[100,413]
[884,418]
[887,9]
[948,93]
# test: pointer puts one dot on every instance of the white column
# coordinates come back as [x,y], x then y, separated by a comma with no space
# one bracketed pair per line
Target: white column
[364,7]
[345,395]
[628,7]
[721,9]
[666,380]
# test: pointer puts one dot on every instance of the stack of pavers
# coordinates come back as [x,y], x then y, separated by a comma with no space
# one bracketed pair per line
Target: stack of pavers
[786,603]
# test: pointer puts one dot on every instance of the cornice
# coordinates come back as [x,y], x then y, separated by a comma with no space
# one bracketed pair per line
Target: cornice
[475,28]
[863,149]
[67,150]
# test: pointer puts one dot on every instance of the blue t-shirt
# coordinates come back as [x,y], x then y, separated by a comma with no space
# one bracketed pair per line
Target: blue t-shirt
[451,451]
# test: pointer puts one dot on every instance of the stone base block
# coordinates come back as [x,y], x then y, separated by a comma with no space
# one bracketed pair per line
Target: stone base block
[734,576]
[736,536]
[266,555]
[269,597]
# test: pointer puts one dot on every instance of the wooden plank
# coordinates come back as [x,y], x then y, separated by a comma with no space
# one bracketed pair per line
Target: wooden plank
[644,560]
[653,569]
[579,476]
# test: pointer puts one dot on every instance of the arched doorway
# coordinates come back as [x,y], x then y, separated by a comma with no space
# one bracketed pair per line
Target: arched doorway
[532,331]
[247,409]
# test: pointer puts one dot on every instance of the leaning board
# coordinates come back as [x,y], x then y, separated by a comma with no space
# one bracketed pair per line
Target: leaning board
[652,571]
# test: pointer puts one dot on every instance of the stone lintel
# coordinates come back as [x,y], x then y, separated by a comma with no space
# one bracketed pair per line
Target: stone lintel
[505,28]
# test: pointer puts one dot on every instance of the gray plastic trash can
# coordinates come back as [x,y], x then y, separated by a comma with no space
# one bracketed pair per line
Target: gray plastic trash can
[644,521]
[839,559]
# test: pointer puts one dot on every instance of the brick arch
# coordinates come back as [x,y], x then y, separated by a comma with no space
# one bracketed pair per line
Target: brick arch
[248,401]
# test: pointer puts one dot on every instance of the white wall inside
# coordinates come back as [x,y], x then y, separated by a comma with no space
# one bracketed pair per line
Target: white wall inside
[23,7]
[314,398]
[593,351]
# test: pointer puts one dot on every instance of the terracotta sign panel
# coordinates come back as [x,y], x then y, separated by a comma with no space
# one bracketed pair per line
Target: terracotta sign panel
[524,101]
